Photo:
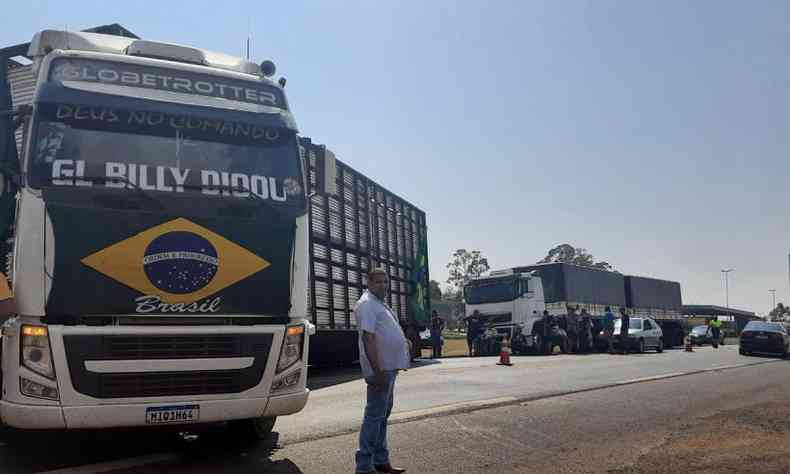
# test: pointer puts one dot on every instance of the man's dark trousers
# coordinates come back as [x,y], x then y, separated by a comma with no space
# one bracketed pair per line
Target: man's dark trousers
[436,344]
[373,448]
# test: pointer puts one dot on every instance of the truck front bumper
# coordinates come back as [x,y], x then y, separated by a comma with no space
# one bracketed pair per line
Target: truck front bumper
[128,415]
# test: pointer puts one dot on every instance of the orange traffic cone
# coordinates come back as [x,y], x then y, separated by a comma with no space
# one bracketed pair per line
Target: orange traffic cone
[689,347]
[504,353]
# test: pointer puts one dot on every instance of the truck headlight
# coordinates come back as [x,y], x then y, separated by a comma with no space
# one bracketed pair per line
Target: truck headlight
[35,352]
[35,389]
[291,351]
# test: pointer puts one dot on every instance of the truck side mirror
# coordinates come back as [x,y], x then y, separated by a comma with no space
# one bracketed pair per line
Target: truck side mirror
[326,172]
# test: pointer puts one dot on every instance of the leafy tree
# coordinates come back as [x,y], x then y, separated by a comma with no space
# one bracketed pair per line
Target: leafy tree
[436,291]
[567,253]
[465,265]
[779,312]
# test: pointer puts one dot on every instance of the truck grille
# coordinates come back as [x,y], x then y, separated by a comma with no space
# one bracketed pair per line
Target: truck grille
[169,384]
[81,348]
[170,347]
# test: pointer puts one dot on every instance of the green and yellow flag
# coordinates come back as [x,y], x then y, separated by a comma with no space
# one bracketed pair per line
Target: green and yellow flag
[419,301]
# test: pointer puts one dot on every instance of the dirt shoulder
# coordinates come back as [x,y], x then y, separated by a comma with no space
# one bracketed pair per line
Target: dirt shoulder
[747,440]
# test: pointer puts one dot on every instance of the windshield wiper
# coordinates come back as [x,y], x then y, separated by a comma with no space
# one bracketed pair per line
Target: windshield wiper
[119,179]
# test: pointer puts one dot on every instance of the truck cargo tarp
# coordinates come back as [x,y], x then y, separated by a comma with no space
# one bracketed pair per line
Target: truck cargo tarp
[651,293]
[572,283]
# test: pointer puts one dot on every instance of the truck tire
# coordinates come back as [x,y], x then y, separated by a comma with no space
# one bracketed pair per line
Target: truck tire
[252,429]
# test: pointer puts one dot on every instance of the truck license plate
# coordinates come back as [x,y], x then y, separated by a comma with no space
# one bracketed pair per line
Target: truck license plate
[174,414]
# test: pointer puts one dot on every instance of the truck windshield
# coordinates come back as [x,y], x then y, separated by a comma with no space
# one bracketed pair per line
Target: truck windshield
[493,291]
[167,153]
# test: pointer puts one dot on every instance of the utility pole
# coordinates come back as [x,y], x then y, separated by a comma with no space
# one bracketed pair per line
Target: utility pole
[727,291]
[773,295]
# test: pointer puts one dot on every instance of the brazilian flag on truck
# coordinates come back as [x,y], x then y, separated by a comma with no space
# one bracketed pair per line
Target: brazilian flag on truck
[419,283]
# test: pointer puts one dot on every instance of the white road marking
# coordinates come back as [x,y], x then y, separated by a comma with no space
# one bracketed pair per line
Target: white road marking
[114,465]
[652,377]
[735,366]
[414,414]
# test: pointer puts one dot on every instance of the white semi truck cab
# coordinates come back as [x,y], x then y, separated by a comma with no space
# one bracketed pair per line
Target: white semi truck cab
[505,299]
[159,259]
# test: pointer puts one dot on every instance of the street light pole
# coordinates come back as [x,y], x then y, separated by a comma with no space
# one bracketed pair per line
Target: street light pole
[773,296]
[727,291]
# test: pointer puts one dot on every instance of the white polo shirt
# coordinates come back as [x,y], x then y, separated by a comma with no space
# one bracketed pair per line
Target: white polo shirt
[373,316]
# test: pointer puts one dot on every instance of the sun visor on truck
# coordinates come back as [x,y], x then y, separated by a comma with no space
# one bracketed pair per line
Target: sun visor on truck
[57,94]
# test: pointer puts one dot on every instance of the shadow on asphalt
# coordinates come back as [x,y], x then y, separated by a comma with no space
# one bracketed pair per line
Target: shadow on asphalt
[214,451]
[35,451]
[209,450]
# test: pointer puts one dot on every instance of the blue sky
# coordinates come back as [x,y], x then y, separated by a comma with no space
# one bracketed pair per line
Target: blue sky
[654,134]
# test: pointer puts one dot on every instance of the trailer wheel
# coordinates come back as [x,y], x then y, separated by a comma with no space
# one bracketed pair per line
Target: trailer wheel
[252,429]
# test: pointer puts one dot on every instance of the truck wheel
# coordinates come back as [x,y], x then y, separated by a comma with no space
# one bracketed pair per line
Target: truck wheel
[660,347]
[252,429]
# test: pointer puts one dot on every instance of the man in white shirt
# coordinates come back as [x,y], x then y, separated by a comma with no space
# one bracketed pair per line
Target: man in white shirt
[383,350]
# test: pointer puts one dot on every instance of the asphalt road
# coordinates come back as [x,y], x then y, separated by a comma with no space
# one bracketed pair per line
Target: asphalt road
[442,407]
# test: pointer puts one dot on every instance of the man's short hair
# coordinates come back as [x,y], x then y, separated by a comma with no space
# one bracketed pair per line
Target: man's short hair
[377,271]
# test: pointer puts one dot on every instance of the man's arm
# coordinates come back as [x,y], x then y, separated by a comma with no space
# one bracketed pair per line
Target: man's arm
[371,350]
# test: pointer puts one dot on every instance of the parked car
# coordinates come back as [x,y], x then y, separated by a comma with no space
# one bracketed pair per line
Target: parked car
[765,338]
[700,335]
[643,334]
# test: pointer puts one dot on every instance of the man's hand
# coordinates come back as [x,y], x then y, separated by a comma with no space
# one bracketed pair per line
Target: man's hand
[379,381]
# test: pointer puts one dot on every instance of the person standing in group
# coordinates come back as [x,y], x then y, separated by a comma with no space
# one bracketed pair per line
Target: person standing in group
[413,336]
[608,328]
[437,326]
[572,327]
[474,328]
[625,325]
[714,327]
[549,323]
[585,332]
[383,351]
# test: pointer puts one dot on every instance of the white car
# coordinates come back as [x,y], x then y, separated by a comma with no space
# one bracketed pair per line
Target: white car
[643,334]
